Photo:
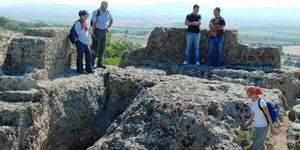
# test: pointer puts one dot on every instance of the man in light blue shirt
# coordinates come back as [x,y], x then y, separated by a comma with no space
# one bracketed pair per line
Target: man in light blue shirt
[101,22]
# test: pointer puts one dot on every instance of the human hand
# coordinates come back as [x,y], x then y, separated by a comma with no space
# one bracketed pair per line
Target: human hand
[246,124]
[272,131]
[195,23]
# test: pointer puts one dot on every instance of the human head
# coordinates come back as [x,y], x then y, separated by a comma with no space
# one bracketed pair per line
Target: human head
[217,12]
[104,5]
[253,92]
[196,9]
[83,14]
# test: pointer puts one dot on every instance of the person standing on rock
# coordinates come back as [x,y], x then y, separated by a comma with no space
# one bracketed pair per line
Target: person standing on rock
[193,36]
[216,26]
[101,22]
[262,126]
[83,42]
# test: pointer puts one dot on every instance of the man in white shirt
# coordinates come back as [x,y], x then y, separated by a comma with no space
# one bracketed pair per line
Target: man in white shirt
[101,22]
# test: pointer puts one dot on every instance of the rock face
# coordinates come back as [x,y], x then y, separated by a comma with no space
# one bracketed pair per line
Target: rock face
[45,48]
[182,113]
[5,39]
[294,114]
[293,133]
[168,44]
[287,80]
[152,105]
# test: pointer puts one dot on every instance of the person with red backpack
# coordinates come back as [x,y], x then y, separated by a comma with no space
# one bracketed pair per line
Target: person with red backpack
[261,114]
[79,35]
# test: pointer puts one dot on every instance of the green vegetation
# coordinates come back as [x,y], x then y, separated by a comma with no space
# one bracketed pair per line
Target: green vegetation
[269,35]
[244,139]
[14,25]
[115,50]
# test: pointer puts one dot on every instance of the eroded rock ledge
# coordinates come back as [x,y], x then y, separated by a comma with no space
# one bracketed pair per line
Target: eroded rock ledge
[168,44]
[150,105]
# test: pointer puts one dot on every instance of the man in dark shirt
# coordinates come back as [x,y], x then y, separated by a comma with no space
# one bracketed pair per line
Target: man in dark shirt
[217,37]
[193,21]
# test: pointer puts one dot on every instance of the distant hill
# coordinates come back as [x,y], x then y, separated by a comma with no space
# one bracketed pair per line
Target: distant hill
[66,14]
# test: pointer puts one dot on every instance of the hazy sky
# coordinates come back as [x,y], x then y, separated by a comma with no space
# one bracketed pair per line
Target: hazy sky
[212,3]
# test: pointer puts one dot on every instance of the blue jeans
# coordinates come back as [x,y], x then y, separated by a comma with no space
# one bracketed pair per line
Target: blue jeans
[219,41]
[84,49]
[190,39]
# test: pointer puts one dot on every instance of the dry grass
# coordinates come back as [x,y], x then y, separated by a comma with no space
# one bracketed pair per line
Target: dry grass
[295,50]
[280,140]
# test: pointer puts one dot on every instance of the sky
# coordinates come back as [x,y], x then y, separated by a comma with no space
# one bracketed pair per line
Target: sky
[275,12]
[211,3]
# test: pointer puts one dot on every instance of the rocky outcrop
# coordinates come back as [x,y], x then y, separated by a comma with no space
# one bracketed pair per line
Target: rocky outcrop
[153,105]
[294,114]
[5,39]
[285,79]
[83,107]
[75,111]
[45,48]
[69,112]
[293,135]
[293,132]
[182,113]
[168,44]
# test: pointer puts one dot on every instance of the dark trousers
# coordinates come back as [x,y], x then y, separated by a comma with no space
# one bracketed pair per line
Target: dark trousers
[219,41]
[99,45]
[84,49]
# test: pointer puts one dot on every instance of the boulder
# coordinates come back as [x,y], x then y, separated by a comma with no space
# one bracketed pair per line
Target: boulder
[183,113]
[294,114]
[285,79]
[5,38]
[168,44]
[42,48]
[293,135]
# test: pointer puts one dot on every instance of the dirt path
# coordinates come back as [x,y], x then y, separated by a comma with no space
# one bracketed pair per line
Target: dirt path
[280,140]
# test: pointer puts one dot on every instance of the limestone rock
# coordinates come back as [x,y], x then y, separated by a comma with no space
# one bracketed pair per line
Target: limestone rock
[293,135]
[182,113]
[294,114]
[285,79]
[5,38]
[43,48]
[151,105]
[168,44]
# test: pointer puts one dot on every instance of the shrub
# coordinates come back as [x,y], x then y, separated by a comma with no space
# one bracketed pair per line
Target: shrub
[115,61]
[244,139]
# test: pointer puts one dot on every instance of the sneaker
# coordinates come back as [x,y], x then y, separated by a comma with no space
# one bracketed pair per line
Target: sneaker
[101,66]
[185,63]
[198,63]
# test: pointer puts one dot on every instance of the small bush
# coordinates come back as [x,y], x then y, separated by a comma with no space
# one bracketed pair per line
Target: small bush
[244,139]
[115,61]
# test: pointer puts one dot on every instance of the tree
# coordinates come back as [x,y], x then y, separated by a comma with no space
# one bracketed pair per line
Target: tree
[12,26]
[3,21]
[40,24]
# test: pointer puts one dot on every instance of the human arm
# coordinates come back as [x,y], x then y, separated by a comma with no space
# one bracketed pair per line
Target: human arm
[267,113]
[249,121]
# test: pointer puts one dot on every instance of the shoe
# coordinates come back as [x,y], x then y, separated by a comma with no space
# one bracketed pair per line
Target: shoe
[91,72]
[101,66]
[185,63]
[198,63]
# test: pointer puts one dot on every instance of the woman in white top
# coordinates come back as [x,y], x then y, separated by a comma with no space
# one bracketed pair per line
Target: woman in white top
[262,126]
[83,42]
